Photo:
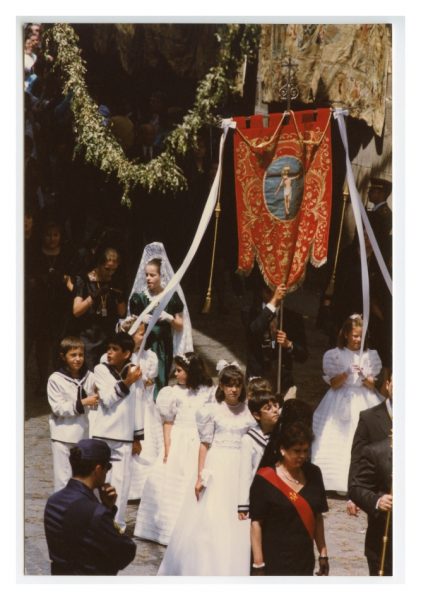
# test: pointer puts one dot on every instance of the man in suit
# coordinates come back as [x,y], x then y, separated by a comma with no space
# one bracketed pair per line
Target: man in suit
[81,536]
[380,213]
[371,490]
[374,425]
[263,337]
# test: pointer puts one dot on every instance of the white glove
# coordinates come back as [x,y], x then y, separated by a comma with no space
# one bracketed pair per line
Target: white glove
[146,318]
[125,325]
[164,316]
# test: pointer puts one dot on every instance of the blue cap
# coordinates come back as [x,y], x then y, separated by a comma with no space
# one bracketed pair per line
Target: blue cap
[95,450]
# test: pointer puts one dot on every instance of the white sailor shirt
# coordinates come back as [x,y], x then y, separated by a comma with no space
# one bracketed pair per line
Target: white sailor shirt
[118,417]
[253,444]
[68,421]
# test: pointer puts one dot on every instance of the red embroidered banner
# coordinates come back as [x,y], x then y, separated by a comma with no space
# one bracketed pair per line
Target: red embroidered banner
[283,188]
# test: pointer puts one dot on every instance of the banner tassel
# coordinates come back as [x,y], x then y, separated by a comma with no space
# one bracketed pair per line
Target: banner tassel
[208,300]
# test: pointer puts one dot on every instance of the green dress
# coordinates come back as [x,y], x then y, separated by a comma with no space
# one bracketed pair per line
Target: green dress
[160,338]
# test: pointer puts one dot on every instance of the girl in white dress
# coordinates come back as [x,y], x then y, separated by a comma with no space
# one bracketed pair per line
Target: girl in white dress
[170,477]
[153,441]
[351,375]
[208,538]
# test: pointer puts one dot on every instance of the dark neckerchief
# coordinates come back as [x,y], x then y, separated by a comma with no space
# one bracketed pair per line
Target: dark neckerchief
[118,374]
[79,381]
[82,372]
[258,436]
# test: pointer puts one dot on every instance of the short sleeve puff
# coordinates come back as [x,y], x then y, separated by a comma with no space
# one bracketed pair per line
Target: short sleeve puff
[167,403]
[175,305]
[372,364]
[332,364]
[205,419]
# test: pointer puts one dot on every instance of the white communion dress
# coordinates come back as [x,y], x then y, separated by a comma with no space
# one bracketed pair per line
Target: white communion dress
[335,419]
[208,538]
[153,442]
[167,483]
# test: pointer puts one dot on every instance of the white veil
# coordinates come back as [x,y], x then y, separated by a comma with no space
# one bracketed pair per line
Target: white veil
[182,340]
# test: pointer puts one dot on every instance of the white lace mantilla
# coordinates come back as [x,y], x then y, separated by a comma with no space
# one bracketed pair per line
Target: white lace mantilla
[182,340]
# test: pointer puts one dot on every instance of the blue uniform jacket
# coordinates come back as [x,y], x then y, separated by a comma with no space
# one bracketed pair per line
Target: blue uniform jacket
[81,536]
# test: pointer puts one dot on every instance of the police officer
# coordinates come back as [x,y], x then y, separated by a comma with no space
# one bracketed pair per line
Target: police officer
[80,531]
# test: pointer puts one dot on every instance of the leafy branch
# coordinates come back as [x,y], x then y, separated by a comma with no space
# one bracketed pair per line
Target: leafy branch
[99,146]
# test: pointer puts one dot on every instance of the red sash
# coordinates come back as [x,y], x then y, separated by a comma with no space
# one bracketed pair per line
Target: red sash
[300,504]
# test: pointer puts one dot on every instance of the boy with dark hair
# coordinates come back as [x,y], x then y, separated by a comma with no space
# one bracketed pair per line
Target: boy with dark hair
[265,409]
[71,393]
[118,421]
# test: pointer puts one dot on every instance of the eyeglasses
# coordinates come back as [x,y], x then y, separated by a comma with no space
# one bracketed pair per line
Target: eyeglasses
[270,407]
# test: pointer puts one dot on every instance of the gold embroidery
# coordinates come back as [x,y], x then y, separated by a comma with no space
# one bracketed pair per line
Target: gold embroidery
[293,496]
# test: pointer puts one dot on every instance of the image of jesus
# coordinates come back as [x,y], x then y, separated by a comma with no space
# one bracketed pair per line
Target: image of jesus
[286,181]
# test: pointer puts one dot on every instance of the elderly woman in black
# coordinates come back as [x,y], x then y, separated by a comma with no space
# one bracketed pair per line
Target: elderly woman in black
[287,499]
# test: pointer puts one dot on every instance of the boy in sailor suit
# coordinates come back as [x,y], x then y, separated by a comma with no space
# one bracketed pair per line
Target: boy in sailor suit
[71,393]
[150,417]
[265,409]
[119,420]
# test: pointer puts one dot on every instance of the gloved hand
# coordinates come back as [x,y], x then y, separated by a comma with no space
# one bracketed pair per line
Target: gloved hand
[147,318]
[127,323]
[323,566]
[164,316]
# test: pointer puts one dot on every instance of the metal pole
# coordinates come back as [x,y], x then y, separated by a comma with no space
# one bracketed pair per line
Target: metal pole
[331,286]
[289,91]
[386,532]
[280,326]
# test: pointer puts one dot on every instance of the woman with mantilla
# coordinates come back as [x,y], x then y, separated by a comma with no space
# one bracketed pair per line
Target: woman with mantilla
[171,334]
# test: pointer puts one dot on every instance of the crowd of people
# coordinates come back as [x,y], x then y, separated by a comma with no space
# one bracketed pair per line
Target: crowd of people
[234,480]
[232,477]
[77,236]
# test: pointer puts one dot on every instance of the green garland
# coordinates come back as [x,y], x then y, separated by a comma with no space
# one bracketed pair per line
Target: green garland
[99,145]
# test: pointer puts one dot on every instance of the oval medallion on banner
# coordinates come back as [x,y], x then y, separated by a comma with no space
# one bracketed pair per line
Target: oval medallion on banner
[283,186]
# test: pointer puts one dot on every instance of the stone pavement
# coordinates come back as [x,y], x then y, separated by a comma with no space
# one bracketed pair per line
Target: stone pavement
[215,336]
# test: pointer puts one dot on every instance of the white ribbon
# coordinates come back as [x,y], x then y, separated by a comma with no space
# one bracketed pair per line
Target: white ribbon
[356,207]
[339,114]
[361,215]
[377,252]
[161,300]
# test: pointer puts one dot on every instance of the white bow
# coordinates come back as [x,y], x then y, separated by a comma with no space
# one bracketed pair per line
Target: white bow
[221,364]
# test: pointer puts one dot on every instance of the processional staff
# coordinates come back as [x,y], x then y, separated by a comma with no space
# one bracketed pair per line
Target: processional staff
[289,91]
[385,540]
[331,285]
